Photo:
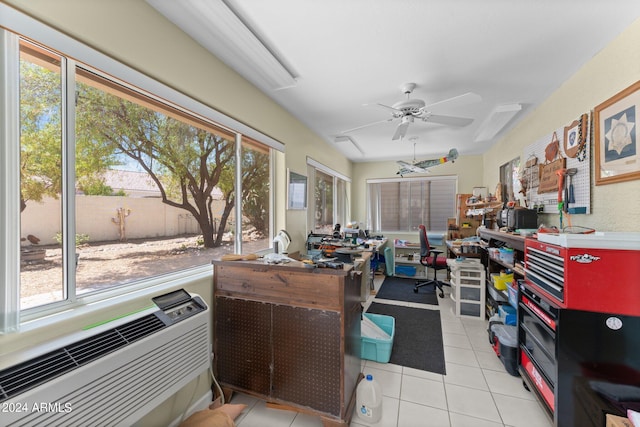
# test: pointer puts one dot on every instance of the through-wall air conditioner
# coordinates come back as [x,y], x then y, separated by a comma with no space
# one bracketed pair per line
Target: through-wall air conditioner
[112,374]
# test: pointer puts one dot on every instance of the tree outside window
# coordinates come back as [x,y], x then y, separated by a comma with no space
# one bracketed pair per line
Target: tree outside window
[189,162]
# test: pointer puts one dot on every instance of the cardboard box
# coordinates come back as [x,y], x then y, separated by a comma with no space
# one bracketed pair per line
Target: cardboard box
[616,421]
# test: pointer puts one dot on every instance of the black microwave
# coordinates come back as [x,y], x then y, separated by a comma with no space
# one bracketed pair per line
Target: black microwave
[515,219]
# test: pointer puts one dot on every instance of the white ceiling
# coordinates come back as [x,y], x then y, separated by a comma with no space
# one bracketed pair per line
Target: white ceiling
[349,53]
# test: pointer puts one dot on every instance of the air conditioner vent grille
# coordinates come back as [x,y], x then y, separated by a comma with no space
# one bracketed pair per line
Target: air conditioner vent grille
[26,375]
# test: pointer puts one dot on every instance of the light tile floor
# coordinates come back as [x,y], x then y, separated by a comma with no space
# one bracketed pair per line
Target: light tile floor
[476,391]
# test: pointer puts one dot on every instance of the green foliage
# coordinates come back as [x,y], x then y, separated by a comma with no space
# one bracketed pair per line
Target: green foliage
[81,239]
[95,187]
[255,189]
[41,138]
[40,133]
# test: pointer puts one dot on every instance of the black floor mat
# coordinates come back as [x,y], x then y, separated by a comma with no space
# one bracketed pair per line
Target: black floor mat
[401,289]
[418,337]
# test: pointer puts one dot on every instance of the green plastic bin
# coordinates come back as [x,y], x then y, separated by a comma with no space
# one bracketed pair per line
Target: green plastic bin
[379,350]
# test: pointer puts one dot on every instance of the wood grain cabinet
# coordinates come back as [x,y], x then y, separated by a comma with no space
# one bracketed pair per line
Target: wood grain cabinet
[289,335]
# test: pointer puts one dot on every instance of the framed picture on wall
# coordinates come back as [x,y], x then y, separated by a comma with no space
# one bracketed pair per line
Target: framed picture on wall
[296,190]
[509,180]
[616,137]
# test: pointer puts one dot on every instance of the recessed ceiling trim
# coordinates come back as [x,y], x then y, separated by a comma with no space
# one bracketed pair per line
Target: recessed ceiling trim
[496,121]
[344,138]
[215,26]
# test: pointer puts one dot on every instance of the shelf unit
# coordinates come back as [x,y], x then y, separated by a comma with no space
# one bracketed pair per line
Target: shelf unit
[499,239]
[401,258]
[467,287]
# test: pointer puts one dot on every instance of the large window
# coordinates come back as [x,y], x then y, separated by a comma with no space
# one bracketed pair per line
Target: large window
[329,204]
[403,204]
[116,185]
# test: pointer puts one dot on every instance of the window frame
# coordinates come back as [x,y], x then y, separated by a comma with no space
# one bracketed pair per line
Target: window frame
[370,203]
[14,26]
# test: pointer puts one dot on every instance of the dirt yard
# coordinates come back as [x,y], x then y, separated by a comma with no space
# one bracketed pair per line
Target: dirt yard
[107,264]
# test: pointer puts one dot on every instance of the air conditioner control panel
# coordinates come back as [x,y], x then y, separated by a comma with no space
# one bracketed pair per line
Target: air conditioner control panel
[179,305]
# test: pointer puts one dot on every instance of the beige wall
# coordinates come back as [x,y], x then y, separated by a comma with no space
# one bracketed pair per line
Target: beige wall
[614,206]
[148,217]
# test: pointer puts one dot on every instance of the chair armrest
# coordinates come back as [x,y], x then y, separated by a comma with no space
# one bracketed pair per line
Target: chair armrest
[435,253]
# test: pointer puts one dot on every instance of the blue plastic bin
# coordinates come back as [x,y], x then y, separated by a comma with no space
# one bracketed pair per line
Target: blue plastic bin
[507,314]
[406,270]
[379,350]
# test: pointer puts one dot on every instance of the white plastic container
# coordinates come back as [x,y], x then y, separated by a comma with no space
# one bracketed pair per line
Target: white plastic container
[369,400]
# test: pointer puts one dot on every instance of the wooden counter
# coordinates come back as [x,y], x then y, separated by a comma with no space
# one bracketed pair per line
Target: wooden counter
[514,241]
[289,335]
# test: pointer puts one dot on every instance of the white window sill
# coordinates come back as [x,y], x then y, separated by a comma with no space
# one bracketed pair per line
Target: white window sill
[97,302]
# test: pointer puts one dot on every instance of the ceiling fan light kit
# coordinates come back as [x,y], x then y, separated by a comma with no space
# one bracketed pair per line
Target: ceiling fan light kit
[496,121]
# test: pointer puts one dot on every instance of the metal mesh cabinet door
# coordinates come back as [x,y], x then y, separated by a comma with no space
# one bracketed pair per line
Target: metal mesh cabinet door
[243,344]
[307,357]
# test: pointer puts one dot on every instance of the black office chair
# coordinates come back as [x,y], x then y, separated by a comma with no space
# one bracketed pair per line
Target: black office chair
[430,258]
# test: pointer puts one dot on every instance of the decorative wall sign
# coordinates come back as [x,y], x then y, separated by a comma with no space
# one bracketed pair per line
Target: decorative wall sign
[548,178]
[532,172]
[548,202]
[575,136]
[615,131]
[551,151]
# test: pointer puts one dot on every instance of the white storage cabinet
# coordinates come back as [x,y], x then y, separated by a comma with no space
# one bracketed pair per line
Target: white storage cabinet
[467,287]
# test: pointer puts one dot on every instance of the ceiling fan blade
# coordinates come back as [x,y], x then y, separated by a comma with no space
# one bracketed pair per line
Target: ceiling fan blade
[388,107]
[401,130]
[456,101]
[448,120]
[367,125]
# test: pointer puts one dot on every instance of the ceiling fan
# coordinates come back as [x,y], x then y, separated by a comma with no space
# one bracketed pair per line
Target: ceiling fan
[410,109]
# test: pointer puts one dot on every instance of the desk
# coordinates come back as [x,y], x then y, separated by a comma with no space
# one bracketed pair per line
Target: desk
[371,257]
[376,247]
